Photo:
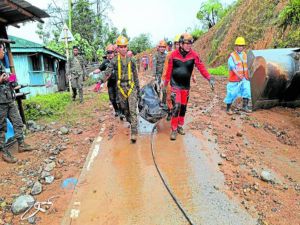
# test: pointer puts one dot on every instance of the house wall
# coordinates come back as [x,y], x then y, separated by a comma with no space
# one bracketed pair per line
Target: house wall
[40,81]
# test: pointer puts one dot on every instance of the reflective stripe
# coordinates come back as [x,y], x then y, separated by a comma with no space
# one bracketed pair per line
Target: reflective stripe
[131,83]
[241,67]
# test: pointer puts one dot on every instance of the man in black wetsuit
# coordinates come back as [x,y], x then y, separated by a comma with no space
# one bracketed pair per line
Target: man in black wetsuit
[111,81]
[179,72]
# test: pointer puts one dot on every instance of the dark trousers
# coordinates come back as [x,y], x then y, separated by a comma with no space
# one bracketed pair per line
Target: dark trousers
[10,111]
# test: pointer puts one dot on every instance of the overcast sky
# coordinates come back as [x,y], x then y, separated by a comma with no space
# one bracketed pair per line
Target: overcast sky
[159,18]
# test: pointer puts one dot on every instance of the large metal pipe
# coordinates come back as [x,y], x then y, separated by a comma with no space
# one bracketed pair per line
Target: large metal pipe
[275,77]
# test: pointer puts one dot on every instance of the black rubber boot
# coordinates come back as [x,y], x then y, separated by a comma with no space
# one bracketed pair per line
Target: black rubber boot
[228,109]
[245,105]
[74,93]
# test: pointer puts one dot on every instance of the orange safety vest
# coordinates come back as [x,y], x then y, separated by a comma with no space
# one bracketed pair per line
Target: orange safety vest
[241,67]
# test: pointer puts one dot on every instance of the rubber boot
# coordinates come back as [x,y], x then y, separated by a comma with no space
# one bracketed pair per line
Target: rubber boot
[8,157]
[228,109]
[74,93]
[173,135]
[133,136]
[245,105]
[180,130]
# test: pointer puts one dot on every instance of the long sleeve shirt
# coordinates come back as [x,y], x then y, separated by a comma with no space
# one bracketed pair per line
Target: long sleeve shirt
[180,69]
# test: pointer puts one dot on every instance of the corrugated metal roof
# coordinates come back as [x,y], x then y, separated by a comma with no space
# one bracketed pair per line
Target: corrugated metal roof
[16,11]
[25,46]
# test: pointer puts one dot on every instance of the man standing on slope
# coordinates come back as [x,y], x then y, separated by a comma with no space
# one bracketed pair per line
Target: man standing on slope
[179,72]
[239,84]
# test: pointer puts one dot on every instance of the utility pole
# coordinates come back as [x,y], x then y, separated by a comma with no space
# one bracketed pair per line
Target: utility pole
[70,15]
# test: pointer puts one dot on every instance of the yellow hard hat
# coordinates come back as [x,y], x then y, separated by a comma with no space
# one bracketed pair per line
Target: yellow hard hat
[121,40]
[177,37]
[240,41]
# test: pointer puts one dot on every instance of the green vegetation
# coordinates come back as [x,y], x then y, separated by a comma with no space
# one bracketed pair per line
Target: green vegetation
[91,27]
[211,12]
[219,71]
[50,105]
[59,106]
[140,43]
[289,21]
[196,33]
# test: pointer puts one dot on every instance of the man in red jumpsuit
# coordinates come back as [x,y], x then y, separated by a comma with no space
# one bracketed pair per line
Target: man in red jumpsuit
[179,72]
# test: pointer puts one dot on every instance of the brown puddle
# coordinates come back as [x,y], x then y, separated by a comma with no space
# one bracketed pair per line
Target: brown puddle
[121,184]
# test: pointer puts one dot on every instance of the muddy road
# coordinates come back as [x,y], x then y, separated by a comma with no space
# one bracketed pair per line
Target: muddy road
[215,170]
[120,184]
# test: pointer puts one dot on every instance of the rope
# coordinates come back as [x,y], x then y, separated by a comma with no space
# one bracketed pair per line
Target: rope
[165,183]
[38,207]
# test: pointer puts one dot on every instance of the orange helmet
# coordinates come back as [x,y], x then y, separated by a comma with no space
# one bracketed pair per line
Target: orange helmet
[110,48]
[162,43]
[186,38]
[121,40]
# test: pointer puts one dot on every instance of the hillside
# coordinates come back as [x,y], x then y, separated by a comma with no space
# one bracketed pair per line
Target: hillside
[256,20]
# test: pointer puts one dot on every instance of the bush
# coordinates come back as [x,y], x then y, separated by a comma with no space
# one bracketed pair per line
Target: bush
[219,71]
[46,105]
[197,33]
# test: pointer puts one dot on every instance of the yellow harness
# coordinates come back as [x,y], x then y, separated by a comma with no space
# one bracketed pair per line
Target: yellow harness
[131,83]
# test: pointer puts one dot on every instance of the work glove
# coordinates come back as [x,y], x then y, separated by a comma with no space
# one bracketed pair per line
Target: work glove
[212,83]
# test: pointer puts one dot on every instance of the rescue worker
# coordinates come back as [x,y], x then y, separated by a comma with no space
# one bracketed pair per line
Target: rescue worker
[170,45]
[167,90]
[124,69]
[8,109]
[76,72]
[159,60]
[111,81]
[179,72]
[239,84]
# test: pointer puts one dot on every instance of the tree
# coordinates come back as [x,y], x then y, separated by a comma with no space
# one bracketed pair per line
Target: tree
[124,33]
[140,43]
[90,26]
[211,12]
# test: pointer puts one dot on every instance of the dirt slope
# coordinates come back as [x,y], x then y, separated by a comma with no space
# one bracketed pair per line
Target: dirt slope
[256,20]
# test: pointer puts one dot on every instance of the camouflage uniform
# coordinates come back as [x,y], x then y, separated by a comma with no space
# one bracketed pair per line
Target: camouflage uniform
[128,105]
[8,109]
[158,65]
[76,70]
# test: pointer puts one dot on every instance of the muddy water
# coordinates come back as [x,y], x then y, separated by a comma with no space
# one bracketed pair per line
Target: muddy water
[120,185]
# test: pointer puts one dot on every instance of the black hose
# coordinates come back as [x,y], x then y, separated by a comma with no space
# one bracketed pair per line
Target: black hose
[165,183]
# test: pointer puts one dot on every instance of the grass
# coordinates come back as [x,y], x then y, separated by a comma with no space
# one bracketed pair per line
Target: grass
[49,105]
[219,71]
[59,106]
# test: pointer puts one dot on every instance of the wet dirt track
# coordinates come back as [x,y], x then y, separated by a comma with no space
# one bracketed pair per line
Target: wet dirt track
[120,185]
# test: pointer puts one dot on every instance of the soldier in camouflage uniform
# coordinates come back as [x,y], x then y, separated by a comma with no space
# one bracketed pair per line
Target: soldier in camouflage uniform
[159,60]
[8,109]
[158,66]
[124,69]
[76,72]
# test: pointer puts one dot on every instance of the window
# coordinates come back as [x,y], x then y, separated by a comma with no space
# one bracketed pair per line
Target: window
[48,63]
[36,64]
